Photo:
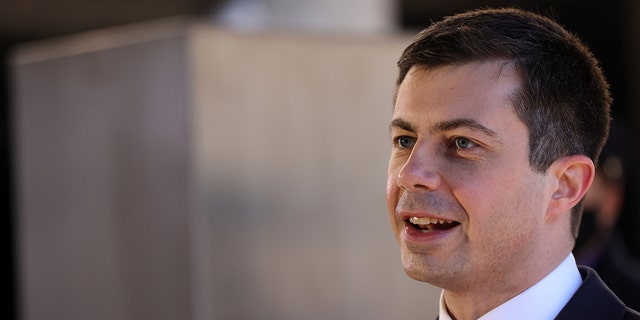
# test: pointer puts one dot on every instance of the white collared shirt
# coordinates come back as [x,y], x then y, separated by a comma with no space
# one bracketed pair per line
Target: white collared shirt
[544,300]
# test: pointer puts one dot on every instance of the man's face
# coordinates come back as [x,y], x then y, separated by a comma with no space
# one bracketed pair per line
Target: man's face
[464,203]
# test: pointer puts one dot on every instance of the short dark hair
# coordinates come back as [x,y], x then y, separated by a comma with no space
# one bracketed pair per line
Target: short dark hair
[564,99]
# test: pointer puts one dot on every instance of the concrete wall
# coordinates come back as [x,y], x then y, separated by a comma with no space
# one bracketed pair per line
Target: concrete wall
[102,178]
[174,170]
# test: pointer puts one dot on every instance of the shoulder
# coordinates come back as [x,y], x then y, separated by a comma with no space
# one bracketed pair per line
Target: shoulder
[621,273]
[594,300]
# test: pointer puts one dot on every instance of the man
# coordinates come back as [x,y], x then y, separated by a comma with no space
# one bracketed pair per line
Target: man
[499,116]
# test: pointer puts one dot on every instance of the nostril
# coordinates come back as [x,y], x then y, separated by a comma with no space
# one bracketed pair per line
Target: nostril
[400,184]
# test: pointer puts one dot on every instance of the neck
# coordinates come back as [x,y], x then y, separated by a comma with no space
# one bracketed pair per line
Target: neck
[475,300]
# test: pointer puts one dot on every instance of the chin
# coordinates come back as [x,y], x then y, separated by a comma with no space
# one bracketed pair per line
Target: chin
[418,276]
[416,269]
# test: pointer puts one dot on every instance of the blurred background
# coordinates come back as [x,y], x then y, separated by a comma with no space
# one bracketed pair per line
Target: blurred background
[210,159]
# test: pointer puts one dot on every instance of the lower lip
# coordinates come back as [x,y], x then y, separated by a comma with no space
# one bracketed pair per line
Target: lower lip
[415,235]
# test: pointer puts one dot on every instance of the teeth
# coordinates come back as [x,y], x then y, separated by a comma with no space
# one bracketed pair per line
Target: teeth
[427,220]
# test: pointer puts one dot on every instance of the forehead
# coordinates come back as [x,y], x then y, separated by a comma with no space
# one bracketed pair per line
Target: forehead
[481,91]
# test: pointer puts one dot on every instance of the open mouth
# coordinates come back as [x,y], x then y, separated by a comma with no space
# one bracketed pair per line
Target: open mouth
[430,224]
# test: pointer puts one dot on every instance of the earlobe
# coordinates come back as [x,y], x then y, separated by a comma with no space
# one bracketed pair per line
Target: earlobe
[574,176]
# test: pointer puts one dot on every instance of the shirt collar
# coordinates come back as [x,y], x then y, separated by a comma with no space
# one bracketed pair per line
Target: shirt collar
[544,300]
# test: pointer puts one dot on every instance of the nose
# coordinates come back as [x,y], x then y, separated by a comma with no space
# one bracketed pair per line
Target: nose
[419,173]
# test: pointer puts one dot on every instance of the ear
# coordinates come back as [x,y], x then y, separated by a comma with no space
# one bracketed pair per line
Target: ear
[573,176]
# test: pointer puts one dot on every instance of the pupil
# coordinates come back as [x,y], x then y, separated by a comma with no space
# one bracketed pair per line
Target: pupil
[463,143]
[405,142]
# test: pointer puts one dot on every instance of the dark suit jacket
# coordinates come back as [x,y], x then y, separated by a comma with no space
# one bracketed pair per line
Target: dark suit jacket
[594,301]
[620,271]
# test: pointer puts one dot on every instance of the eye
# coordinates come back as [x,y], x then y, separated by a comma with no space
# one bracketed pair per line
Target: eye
[464,143]
[405,142]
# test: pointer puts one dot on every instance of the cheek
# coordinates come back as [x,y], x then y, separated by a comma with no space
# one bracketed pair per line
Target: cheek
[393,194]
[473,189]
[487,195]
[393,189]
[505,213]
[392,198]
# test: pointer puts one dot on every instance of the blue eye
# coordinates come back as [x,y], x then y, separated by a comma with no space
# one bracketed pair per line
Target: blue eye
[463,143]
[405,142]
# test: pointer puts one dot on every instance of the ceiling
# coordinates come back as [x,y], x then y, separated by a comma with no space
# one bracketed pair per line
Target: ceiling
[26,20]
[34,19]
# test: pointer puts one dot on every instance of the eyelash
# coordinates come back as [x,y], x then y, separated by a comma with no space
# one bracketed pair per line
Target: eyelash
[454,142]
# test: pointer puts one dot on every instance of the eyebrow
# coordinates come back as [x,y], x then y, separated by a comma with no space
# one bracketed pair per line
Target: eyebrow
[445,126]
[399,123]
[464,123]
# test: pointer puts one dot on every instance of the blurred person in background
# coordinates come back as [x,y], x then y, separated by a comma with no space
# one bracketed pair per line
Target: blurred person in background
[600,243]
